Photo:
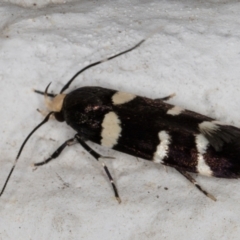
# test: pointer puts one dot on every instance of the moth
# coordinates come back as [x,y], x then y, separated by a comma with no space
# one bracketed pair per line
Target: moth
[151,129]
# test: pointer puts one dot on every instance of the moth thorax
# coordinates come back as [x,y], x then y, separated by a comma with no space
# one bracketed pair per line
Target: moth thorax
[56,103]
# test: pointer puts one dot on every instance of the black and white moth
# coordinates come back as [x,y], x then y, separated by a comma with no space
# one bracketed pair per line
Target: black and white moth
[145,128]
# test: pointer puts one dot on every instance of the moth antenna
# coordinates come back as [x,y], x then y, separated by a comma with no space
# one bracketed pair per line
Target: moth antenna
[66,86]
[99,62]
[21,148]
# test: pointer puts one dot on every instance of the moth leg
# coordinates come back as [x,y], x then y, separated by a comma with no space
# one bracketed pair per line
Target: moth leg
[43,93]
[69,142]
[44,113]
[97,156]
[193,181]
[165,98]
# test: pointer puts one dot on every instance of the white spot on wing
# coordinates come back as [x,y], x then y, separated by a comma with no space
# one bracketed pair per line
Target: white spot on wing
[122,97]
[111,130]
[207,127]
[163,147]
[176,110]
[202,144]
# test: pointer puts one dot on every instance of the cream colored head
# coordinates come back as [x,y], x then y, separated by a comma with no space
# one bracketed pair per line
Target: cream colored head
[55,104]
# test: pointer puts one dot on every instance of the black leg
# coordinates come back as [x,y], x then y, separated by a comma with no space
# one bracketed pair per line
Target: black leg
[166,98]
[88,149]
[193,181]
[43,93]
[57,152]
[97,156]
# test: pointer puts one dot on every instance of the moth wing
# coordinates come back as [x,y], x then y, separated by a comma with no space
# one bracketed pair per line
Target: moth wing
[220,135]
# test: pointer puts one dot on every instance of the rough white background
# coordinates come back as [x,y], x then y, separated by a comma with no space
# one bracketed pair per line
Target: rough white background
[195,53]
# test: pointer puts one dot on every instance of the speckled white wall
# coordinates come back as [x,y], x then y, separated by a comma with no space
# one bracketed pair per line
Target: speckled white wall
[195,53]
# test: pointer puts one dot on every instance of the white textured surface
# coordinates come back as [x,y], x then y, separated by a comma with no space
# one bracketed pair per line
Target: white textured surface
[195,53]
